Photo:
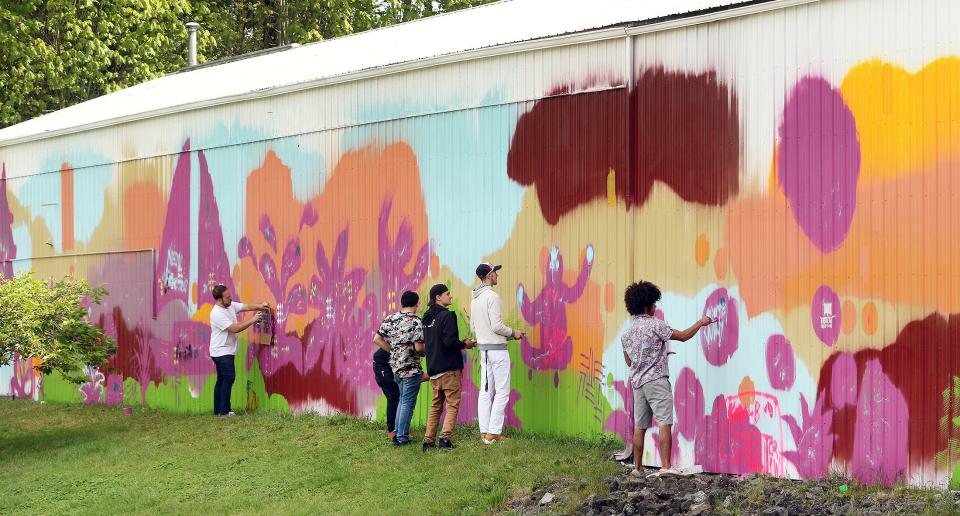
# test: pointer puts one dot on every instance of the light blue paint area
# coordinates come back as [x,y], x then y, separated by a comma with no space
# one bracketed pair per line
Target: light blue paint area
[89,185]
[41,195]
[6,374]
[230,165]
[24,243]
[472,205]
[308,168]
[748,360]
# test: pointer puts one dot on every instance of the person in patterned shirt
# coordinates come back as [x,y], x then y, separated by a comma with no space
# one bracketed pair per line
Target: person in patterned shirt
[645,351]
[401,335]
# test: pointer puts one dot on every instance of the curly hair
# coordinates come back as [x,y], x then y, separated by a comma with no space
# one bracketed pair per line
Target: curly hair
[640,296]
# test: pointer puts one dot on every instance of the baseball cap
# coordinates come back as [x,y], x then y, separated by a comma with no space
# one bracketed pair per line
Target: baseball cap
[485,268]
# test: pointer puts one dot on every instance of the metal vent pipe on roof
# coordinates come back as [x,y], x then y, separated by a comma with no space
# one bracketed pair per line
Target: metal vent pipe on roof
[192,43]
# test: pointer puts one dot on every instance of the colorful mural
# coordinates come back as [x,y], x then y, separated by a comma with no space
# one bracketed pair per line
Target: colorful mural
[830,268]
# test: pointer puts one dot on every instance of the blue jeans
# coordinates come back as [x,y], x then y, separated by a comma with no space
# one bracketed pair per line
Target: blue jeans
[409,388]
[226,373]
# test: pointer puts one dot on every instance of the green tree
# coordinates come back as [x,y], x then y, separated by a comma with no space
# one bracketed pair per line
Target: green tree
[60,52]
[56,53]
[48,320]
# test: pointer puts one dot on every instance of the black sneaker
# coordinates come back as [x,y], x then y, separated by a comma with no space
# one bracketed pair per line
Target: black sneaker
[445,444]
[428,445]
[400,443]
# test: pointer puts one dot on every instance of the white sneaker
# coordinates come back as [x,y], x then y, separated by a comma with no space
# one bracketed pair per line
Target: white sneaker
[231,414]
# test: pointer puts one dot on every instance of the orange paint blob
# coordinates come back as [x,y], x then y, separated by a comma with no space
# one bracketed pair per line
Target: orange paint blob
[720,263]
[609,297]
[141,203]
[702,250]
[871,319]
[849,319]
[747,392]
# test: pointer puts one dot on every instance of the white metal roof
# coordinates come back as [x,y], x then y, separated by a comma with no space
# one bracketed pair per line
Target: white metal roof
[509,21]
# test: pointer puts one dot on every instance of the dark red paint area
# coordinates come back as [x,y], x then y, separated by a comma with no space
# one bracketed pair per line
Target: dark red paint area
[922,364]
[685,131]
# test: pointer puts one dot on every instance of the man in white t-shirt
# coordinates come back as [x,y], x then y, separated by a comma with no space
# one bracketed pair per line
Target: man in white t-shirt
[223,343]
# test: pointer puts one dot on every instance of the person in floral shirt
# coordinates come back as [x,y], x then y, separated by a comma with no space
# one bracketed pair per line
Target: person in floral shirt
[645,351]
[401,335]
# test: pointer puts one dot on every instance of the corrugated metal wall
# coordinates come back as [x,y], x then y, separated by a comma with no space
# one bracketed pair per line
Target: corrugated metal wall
[790,172]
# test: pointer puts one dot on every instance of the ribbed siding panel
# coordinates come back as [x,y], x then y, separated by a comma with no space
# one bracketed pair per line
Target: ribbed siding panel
[800,165]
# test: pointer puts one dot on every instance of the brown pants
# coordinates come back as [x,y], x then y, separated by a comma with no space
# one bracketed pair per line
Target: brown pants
[446,388]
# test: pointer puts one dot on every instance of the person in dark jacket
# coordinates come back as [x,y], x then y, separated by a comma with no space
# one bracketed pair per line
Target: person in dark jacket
[444,365]
[384,376]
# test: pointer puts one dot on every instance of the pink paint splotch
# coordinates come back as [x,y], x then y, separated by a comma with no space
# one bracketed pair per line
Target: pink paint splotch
[213,268]
[23,384]
[825,315]
[620,421]
[732,445]
[781,366]
[93,388]
[8,248]
[880,432]
[549,312]
[720,340]
[819,161]
[186,354]
[173,260]
[395,254]
[843,387]
[343,325]
[114,390]
[813,437]
[689,404]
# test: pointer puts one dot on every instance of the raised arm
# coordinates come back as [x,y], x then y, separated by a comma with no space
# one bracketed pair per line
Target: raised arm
[241,326]
[252,307]
[574,292]
[687,334]
[530,310]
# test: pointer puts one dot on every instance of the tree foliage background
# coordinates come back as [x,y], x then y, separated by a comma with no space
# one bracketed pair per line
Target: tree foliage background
[55,53]
[48,320]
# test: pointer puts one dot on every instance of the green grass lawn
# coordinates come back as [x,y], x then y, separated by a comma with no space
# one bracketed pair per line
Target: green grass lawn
[67,458]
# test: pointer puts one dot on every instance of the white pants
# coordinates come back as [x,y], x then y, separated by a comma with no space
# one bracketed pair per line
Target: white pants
[494,390]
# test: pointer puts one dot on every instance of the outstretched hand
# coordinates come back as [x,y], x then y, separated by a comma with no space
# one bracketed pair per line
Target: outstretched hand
[706,320]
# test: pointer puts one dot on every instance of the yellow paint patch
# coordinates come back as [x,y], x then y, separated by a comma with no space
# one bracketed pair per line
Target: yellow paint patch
[612,188]
[203,313]
[901,116]
[870,318]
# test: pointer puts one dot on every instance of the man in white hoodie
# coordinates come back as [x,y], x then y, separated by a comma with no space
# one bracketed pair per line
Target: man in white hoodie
[487,323]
